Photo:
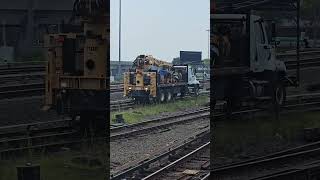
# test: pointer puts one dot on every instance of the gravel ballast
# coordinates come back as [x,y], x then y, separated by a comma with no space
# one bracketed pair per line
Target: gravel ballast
[128,152]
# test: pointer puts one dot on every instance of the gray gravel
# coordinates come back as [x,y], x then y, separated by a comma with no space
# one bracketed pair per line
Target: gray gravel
[128,152]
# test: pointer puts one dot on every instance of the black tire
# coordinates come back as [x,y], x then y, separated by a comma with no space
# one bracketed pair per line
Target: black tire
[196,91]
[182,93]
[169,96]
[137,101]
[229,107]
[59,106]
[280,94]
[161,97]
[232,105]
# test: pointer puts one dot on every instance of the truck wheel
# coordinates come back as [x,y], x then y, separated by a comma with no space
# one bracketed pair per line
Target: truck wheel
[279,95]
[161,97]
[229,107]
[214,103]
[196,91]
[233,104]
[182,93]
[59,106]
[169,96]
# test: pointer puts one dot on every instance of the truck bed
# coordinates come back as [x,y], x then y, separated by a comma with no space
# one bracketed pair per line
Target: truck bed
[172,85]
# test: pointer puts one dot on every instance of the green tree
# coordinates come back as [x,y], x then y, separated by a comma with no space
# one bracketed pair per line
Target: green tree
[206,61]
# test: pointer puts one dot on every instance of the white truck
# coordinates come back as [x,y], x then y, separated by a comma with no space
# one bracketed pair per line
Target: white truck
[244,61]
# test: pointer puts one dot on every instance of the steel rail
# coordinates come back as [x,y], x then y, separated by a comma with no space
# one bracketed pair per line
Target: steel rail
[179,161]
[180,150]
[311,103]
[287,158]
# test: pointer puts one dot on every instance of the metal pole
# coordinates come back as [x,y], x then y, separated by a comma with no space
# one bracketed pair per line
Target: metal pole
[4,33]
[208,43]
[30,25]
[208,48]
[119,65]
[298,42]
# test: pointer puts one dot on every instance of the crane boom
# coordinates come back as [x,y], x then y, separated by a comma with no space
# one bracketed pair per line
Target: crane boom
[148,62]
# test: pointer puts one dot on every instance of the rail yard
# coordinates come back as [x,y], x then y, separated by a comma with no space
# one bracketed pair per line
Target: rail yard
[140,157]
[256,117]
[57,133]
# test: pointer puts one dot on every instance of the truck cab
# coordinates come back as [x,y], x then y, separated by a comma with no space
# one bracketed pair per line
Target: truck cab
[262,52]
[242,40]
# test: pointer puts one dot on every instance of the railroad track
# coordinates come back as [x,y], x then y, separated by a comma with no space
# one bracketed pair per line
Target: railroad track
[305,102]
[158,123]
[194,165]
[172,158]
[302,162]
[293,54]
[24,79]
[28,89]
[302,102]
[304,63]
[116,88]
[40,137]
[121,105]
[123,131]
[129,103]
[307,59]
[58,136]
[21,90]
[14,69]
[22,137]
[21,80]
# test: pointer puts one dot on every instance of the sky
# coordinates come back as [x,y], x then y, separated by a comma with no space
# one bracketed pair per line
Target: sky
[161,28]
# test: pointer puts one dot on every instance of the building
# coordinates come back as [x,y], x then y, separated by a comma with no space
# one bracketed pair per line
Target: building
[125,65]
[24,23]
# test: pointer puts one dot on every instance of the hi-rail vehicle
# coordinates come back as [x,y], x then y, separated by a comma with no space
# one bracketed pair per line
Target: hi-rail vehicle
[244,64]
[76,77]
[153,80]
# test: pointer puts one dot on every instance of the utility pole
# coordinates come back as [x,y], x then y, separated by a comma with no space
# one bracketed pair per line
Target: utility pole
[298,41]
[119,65]
[30,26]
[208,43]
[4,33]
